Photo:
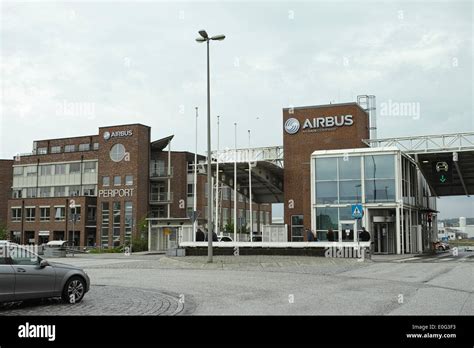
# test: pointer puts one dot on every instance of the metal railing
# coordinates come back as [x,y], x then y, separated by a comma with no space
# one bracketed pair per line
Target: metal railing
[272,154]
[161,173]
[161,197]
[427,143]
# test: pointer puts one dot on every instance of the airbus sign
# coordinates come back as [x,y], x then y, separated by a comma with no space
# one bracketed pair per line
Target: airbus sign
[292,125]
[117,134]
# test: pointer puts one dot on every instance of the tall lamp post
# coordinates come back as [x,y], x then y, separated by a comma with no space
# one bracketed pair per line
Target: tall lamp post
[206,38]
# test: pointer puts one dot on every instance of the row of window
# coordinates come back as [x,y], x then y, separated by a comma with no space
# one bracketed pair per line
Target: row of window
[117,180]
[67,148]
[54,191]
[56,213]
[355,179]
[55,169]
[113,225]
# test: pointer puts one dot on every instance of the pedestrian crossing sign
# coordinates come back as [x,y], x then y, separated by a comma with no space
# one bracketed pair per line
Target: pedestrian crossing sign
[357,211]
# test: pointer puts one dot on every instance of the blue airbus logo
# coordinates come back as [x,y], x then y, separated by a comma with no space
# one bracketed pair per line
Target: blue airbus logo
[292,125]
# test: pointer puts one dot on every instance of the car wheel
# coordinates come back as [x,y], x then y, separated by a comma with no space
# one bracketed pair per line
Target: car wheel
[74,290]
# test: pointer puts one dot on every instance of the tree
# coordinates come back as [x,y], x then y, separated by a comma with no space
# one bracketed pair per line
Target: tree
[3,232]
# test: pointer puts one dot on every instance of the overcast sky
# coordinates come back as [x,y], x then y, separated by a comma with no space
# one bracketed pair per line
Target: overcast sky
[69,67]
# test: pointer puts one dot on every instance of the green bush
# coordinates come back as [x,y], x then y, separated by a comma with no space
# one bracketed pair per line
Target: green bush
[139,244]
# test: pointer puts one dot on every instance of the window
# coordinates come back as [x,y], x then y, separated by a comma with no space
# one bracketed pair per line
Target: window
[20,256]
[18,171]
[60,191]
[30,214]
[59,213]
[190,190]
[75,214]
[225,215]
[129,180]
[297,228]
[45,213]
[225,193]
[326,169]
[42,151]
[74,191]
[96,146]
[105,181]
[74,168]
[88,190]
[31,170]
[17,193]
[60,169]
[44,192]
[55,149]
[117,180]
[117,152]
[90,167]
[70,148]
[46,170]
[116,224]
[379,178]
[84,147]
[157,168]
[31,192]
[128,220]
[91,213]
[104,235]
[16,214]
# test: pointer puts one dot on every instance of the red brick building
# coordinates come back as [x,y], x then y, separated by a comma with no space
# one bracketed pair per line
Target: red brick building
[307,129]
[98,190]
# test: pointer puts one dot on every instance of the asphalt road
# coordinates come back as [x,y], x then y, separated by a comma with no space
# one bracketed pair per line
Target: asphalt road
[269,285]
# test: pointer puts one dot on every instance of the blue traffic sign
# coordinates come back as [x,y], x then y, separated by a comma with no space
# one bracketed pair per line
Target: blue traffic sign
[357,211]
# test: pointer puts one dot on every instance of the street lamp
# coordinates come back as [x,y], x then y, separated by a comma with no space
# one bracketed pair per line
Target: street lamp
[205,38]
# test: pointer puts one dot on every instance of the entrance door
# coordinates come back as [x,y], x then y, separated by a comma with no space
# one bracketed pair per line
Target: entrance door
[348,231]
[381,238]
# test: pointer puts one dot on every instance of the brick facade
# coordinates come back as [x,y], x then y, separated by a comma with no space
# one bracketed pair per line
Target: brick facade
[6,178]
[298,148]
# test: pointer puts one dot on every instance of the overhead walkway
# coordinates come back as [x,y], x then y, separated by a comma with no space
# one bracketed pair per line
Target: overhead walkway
[445,160]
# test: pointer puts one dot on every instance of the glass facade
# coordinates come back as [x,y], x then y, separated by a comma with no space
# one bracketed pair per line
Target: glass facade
[342,180]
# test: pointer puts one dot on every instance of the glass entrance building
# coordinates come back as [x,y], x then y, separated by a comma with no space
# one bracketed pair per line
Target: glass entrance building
[396,200]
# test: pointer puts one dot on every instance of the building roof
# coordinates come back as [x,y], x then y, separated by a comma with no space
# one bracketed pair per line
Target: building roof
[160,144]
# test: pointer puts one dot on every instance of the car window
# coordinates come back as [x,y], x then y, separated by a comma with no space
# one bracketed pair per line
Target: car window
[3,259]
[20,256]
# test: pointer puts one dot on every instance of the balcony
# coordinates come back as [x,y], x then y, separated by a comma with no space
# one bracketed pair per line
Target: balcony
[161,197]
[160,174]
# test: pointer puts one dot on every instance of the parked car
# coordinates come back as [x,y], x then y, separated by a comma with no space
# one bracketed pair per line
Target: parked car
[469,248]
[25,275]
[224,239]
[441,246]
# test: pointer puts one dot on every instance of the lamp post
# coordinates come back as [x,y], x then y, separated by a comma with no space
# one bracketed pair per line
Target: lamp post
[217,179]
[250,193]
[205,38]
[235,181]
[194,216]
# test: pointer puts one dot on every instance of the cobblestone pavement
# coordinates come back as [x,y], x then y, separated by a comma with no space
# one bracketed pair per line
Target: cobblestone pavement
[107,300]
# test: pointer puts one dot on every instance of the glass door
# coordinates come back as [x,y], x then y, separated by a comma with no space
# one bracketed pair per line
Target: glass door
[381,238]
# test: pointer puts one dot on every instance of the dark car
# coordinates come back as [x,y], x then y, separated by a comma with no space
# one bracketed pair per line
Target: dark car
[24,275]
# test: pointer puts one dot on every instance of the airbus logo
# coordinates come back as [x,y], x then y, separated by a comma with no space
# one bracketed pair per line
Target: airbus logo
[292,125]
[117,134]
